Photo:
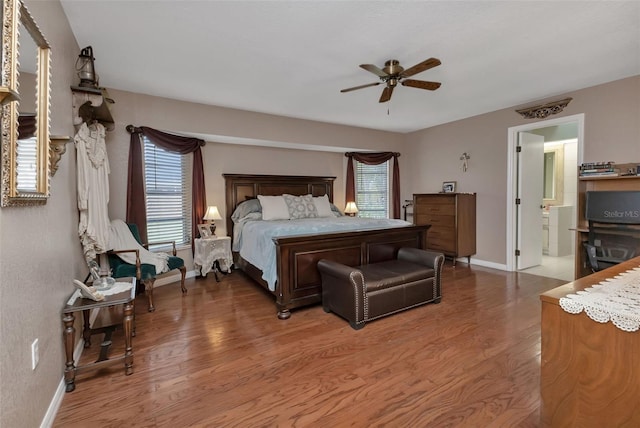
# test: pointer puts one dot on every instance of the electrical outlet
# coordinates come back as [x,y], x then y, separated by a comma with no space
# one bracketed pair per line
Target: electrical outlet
[35,356]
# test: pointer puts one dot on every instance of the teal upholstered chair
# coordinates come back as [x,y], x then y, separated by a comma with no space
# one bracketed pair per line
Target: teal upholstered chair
[145,273]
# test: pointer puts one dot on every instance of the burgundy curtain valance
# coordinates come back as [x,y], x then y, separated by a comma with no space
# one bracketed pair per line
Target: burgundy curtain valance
[374,159]
[136,209]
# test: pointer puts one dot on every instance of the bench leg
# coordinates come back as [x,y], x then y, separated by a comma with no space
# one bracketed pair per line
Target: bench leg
[356,326]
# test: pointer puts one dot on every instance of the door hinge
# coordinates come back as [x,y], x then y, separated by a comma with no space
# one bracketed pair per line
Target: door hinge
[518,149]
[517,252]
[517,201]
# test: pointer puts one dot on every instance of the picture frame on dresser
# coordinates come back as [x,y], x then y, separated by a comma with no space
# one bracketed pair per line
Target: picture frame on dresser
[205,230]
[448,187]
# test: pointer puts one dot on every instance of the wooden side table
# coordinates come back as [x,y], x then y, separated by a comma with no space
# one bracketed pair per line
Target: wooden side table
[208,251]
[115,310]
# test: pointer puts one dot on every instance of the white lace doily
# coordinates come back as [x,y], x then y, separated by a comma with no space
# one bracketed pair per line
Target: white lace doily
[615,299]
[118,287]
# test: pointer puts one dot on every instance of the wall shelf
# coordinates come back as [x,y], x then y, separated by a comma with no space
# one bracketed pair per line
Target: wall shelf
[98,99]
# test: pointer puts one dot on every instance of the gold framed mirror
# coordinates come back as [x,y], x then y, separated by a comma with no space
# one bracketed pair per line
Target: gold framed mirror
[25,123]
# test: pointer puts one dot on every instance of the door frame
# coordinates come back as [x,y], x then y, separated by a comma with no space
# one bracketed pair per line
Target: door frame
[512,179]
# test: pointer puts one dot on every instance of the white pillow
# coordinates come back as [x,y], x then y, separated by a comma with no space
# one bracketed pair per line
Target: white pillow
[274,208]
[323,206]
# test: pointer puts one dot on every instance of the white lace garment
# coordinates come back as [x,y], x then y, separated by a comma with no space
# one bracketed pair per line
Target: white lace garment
[615,299]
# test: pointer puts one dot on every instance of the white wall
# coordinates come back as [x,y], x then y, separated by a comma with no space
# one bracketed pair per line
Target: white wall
[40,254]
[612,132]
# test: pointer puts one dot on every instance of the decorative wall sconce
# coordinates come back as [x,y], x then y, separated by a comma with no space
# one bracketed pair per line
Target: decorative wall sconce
[465,158]
[57,147]
[351,209]
[542,111]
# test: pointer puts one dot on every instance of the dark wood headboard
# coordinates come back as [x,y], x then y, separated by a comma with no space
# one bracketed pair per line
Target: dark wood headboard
[240,187]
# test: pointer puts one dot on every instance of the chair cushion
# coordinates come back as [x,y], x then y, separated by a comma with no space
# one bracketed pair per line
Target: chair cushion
[175,262]
[378,276]
[121,269]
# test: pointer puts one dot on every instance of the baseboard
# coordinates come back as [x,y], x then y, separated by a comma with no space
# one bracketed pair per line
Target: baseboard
[56,401]
[172,277]
[484,263]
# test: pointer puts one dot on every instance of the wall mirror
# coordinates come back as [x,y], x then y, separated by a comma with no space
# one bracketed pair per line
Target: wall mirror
[553,175]
[25,123]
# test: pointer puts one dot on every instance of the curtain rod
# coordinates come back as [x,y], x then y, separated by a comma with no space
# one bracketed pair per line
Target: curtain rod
[138,130]
[133,129]
[349,154]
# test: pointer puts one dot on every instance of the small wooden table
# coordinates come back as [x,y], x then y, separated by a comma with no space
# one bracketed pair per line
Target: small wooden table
[114,310]
[590,376]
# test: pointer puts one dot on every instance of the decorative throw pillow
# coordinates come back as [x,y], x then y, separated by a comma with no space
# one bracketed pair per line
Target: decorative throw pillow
[273,208]
[301,206]
[245,208]
[323,206]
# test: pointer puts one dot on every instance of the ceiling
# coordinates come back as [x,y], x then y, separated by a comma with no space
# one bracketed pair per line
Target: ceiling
[291,58]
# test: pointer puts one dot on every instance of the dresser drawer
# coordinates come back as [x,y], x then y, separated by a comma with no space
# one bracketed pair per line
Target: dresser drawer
[436,220]
[435,199]
[441,238]
[444,245]
[439,209]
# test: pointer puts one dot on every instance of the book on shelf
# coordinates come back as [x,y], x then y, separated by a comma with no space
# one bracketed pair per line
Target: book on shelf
[599,174]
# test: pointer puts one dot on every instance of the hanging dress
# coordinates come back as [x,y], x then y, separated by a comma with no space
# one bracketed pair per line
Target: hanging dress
[93,189]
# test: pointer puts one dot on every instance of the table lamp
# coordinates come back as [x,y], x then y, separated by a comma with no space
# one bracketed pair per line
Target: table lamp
[212,215]
[351,209]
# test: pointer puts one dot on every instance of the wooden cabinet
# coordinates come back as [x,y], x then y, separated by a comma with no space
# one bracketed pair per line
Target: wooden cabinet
[452,217]
[589,372]
[586,184]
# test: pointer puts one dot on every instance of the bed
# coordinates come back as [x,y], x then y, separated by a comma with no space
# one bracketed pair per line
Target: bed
[297,281]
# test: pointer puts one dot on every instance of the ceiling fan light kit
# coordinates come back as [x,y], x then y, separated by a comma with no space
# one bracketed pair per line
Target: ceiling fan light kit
[393,73]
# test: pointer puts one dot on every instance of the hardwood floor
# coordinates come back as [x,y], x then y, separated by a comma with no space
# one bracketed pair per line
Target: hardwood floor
[218,356]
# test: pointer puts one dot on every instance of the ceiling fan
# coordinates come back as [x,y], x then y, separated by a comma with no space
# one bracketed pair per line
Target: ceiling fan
[393,73]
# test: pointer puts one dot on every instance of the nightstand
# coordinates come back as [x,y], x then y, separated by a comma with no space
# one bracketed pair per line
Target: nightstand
[213,251]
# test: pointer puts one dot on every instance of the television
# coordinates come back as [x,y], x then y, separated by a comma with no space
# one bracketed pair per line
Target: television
[615,206]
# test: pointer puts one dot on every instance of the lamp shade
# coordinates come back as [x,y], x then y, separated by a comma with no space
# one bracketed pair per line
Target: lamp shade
[212,213]
[351,208]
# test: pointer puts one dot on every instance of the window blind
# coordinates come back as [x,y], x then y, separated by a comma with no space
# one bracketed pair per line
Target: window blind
[168,189]
[372,190]
[27,160]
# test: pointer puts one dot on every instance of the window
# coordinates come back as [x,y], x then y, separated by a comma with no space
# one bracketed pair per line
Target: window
[372,190]
[167,178]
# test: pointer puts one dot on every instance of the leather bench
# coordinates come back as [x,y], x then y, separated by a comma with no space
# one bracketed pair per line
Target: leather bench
[363,293]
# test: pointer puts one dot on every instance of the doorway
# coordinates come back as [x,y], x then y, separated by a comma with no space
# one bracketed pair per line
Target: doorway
[528,228]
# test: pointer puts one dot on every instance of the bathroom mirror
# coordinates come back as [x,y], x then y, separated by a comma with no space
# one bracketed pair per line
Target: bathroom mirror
[553,175]
[25,123]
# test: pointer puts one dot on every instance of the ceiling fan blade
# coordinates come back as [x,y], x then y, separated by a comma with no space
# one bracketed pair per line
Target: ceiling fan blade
[374,69]
[360,87]
[421,84]
[386,94]
[419,68]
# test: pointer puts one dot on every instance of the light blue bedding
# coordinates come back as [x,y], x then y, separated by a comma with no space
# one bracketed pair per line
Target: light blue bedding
[254,238]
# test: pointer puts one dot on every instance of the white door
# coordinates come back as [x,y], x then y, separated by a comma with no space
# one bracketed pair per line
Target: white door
[530,193]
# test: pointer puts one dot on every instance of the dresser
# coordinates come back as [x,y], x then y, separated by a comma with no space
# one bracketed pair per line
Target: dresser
[452,217]
[589,371]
